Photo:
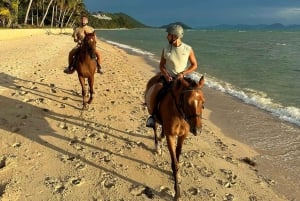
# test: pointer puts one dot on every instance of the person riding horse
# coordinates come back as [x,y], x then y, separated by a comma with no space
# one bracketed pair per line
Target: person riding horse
[173,65]
[78,35]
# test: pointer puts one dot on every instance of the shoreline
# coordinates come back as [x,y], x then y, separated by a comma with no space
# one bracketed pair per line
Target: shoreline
[265,125]
[107,149]
[233,111]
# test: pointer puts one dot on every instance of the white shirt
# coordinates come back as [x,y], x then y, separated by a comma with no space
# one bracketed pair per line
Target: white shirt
[176,58]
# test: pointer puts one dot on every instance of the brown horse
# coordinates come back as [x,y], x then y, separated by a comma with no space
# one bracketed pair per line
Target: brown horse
[179,112]
[85,66]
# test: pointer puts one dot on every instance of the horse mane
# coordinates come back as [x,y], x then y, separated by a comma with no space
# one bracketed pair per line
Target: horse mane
[184,83]
[89,43]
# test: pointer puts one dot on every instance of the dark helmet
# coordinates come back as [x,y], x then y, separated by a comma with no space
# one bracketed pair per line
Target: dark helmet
[176,30]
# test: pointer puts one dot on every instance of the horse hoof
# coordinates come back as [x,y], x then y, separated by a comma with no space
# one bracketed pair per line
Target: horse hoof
[158,150]
[177,198]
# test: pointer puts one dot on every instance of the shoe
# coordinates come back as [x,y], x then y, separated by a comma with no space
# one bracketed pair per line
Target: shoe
[150,122]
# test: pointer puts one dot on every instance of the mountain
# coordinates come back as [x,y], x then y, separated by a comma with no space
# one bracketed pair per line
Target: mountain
[184,26]
[275,26]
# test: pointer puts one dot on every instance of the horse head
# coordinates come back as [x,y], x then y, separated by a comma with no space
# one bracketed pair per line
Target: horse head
[190,102]
[89,41]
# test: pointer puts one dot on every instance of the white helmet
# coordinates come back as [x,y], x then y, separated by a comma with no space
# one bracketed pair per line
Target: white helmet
[176,30]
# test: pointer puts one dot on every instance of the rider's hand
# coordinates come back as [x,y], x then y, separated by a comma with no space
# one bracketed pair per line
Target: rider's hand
[180,76]
[168,78]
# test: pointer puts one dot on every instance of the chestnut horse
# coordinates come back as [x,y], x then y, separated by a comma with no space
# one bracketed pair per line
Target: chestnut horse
[85,66]
[179,112]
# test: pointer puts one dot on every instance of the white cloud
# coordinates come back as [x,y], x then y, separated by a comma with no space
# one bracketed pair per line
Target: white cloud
[290,14]
[285,15]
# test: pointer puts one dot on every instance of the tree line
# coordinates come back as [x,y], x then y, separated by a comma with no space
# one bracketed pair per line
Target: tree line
[57,13]
[40,13]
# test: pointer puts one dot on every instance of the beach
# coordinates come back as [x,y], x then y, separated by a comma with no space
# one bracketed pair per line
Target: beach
[52,150]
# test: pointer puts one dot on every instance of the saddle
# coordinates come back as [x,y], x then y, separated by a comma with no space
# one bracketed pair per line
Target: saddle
[160,96]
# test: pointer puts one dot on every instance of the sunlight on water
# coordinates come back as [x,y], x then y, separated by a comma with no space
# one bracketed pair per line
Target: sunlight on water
[260,68]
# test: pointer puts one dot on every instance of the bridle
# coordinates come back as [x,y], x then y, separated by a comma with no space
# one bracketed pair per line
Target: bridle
[86,44]
[180,105]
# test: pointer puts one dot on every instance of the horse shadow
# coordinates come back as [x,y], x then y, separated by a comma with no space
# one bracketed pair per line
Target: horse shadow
[32,122]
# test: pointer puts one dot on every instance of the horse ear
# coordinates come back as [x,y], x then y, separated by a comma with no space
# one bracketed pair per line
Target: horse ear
[201,81]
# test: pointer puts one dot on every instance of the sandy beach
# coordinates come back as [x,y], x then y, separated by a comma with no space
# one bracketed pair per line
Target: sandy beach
[52,150]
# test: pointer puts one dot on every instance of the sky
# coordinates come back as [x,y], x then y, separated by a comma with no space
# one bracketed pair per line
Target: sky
[197,13]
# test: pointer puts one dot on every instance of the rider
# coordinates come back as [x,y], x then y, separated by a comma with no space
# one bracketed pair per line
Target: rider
[177,60]
[78,36]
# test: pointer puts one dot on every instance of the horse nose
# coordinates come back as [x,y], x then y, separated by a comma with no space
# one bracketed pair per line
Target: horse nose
[196,131]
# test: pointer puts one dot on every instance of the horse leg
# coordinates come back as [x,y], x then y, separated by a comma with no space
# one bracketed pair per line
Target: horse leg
[91,89]
[157,141]
[174,165]
[179,146]
[83,91]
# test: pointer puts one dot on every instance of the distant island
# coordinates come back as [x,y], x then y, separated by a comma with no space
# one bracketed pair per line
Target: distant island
[275,26]
[121,20]
[184,26]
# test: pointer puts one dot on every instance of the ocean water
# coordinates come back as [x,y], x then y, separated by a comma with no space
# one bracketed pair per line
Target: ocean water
[261,68]
[257,75]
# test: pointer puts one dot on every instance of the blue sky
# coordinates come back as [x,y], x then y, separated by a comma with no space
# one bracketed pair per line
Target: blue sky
[203,12]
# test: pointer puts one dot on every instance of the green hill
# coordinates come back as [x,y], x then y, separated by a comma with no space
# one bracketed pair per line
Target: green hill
[113,21]
[184,26]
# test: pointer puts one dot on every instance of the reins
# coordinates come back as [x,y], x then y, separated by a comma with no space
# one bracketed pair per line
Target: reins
[89,48]
[180,105]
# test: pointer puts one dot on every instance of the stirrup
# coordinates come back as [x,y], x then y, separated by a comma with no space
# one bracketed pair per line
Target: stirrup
[150,122]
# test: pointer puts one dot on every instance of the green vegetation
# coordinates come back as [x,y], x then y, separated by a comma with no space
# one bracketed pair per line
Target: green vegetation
[118,20]
[57,13]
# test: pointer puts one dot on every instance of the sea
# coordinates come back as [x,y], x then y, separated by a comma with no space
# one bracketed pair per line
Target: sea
[255,77]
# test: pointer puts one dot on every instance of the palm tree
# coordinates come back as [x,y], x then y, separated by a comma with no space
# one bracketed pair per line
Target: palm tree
[4,15]
[8,11]
[15,10]
[44,17]
[27,12]
[77,6]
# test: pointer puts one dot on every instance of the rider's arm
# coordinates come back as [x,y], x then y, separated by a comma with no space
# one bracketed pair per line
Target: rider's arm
[193,63]
[162,67]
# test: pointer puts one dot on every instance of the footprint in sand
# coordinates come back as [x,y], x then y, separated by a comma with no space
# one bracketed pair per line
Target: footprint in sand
[2,162]
[2,188]
[76,181]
